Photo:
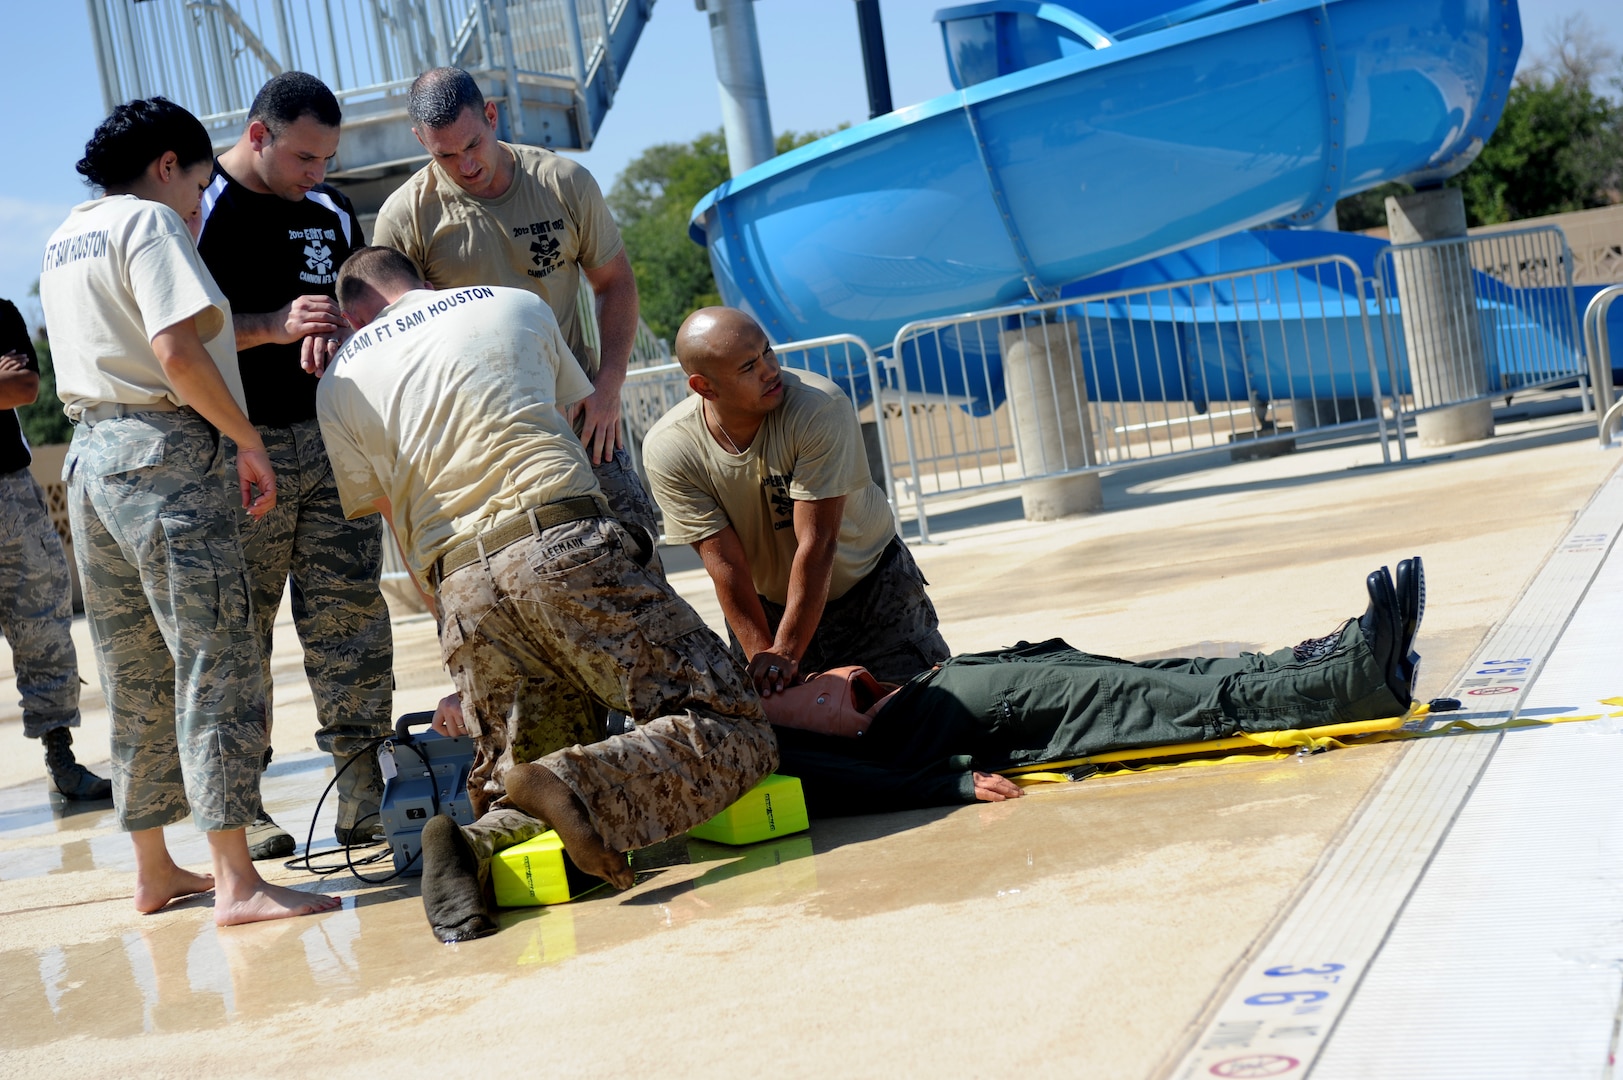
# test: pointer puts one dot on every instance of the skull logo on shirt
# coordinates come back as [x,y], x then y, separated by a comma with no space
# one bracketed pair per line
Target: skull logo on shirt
[318,257]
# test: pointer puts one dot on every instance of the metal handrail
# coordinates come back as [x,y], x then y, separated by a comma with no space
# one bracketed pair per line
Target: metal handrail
[1597,343]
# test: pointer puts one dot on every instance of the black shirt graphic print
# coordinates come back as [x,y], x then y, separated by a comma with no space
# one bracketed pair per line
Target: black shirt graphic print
[264,251]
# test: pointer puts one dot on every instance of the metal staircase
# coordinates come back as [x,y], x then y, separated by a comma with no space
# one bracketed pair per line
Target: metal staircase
[552,66]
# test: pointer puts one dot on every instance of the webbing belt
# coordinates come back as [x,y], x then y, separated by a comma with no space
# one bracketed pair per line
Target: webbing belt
[531,523]
[91,415]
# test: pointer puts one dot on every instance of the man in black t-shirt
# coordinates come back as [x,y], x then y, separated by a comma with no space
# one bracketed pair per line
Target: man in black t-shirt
[273,235]
[36,597]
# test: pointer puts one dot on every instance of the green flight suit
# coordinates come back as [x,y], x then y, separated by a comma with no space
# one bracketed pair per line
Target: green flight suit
[1050,702]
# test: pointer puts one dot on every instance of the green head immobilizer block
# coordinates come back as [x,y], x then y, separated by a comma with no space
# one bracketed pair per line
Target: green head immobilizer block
[775,807]
[538,872]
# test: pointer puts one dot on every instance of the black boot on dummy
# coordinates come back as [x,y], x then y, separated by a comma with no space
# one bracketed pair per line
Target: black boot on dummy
[1382,626]
[1411,588]
[72,779]
[451,896]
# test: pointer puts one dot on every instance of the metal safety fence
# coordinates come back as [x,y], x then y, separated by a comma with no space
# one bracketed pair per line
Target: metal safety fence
[1477,317]
[1239,361]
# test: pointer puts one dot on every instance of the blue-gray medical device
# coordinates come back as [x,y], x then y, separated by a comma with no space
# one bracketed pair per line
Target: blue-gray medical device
[417,790]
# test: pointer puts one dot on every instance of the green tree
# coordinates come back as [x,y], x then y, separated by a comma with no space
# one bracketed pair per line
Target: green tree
[1559,147]
[44,422]
[651,201]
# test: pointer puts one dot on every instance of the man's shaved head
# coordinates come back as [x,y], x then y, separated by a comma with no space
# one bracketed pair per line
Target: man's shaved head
[730,363]
[715,334]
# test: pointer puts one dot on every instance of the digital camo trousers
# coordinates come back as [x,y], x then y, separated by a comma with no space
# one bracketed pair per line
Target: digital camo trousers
[630,503]
[36,607]
[556,628]
[338,610]
[885,623]
[160,564]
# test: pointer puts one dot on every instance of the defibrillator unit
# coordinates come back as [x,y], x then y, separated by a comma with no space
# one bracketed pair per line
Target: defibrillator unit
[425,773]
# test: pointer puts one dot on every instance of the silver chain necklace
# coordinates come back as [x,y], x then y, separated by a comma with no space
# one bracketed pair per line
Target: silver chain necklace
[723,429]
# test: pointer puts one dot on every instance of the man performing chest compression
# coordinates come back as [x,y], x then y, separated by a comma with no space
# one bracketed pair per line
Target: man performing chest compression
[763,471]
[273,235]
[442,413]
[486,212]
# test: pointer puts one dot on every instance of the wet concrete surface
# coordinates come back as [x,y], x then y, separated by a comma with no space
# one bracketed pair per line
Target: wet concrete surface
[1079,931]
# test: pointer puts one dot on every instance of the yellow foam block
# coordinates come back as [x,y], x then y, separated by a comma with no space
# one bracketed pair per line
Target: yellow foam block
[538,872]
[774,807]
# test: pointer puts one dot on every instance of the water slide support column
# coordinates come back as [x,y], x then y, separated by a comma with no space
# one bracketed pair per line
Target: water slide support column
[874,64]
[741,81]
[1048,413]
[1440,329]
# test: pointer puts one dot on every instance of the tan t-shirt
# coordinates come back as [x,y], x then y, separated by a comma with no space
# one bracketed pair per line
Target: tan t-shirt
[538,235]
[117,272]
[809,448]
[447,404]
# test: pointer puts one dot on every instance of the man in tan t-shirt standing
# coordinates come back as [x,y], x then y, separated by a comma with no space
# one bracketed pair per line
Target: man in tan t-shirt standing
[763,471]
[486,212]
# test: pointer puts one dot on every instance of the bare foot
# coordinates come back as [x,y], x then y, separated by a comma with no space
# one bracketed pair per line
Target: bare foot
[267,902]
[155,890]
[539,793]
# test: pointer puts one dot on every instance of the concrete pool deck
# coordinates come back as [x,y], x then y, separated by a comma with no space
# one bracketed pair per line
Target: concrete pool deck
[1091,929]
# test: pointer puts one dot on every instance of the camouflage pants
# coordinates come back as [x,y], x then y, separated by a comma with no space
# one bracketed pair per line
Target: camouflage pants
[630,503]
[36,607]
[166,597]
[338,610]
[885,622]
[550,631]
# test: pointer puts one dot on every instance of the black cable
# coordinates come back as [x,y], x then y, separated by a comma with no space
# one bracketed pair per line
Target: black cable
[302,862]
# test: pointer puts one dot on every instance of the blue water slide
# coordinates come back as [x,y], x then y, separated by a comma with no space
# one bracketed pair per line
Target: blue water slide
[1089,135]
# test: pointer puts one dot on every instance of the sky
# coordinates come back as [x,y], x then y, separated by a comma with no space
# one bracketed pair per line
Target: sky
[810,49]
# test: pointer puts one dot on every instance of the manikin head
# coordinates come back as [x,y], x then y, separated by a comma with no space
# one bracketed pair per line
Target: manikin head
[729,362]
[457,126]
[373,278]
[292,135]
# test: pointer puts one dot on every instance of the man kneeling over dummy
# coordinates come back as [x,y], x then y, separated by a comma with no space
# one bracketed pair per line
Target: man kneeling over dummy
[943,736]
[442,414]
[763,471]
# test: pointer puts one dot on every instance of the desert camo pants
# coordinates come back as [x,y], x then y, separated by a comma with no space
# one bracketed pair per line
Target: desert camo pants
[885,623]
[36,607]
[548,632]
[630,503]
[333,565]
[166,597]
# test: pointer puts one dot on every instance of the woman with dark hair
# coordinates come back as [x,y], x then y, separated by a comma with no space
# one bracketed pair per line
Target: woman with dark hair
[146,368]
